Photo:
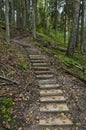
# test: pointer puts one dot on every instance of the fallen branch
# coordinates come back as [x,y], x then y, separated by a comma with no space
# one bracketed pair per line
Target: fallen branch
[60,48]
[12,81]
[5,84]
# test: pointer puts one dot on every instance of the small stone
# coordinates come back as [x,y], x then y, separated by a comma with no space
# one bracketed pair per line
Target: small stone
[37,117]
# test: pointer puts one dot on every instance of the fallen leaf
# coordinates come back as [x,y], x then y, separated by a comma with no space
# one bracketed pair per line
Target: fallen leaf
[63,115]
[47,129]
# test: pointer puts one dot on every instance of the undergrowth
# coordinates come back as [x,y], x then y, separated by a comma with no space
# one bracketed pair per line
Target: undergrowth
[5,104]
[13,63]
[77,64]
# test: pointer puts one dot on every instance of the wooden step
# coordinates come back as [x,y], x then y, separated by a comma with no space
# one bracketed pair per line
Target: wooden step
[44,76]
[42,72]
[32,51]
[47,81]
[50,86]
[37,61]
[40,68]
[50,92]
[36,57]
[40,64]
[54,108]
[52,99]
[55,122]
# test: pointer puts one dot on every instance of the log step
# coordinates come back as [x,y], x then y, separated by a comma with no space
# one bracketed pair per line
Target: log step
[40,68]
[40,64]
[42,72]
[52,99]
[54,108]
[44,76]
[55,122]
[50,86]
[47,81]
[38,61]
[50,92]
[36,57]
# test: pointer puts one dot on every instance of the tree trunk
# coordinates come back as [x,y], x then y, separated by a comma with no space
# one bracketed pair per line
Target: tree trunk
[27,6]
[78,32]
[73,36]
[12,12]
[7,20]
[56,17]
[82,23]
[45,17]
[1,11]
[24,13]
[64,27]
[34,18]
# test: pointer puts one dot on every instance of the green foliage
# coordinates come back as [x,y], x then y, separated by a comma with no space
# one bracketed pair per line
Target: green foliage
[5,107]
[2,128]
[59,37]
[24,66]
[40,29]
[23,62]
[53,37]
[76,64]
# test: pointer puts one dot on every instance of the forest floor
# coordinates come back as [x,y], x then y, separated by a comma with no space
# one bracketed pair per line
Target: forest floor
[22,91]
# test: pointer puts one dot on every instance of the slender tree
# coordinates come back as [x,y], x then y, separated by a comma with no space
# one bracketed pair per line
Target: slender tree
[34,2]
[82,26]
[7,20]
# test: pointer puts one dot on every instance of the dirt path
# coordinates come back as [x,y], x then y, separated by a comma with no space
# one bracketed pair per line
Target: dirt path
[60,104]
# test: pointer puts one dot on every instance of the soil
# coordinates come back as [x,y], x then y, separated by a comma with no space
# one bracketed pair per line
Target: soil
[25,95]
[25,108]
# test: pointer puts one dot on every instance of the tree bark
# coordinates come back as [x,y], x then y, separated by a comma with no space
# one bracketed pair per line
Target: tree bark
[72,41]
[64,28]
[24,13]
[34,18]
[82,47]
[12,12]
[7,20]
[56,17]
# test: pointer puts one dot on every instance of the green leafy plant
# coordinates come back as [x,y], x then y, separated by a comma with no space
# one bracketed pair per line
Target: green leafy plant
[24,66]
[23,62]
[2,128]
[71,62]
[5,107]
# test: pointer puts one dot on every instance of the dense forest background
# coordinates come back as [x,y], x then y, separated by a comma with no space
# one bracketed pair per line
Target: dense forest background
[63,20]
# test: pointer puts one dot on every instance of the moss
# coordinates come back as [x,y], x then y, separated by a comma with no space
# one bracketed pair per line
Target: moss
[5,107]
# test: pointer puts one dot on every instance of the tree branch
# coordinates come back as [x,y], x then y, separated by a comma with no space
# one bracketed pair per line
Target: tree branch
[5,84]
[12,81]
